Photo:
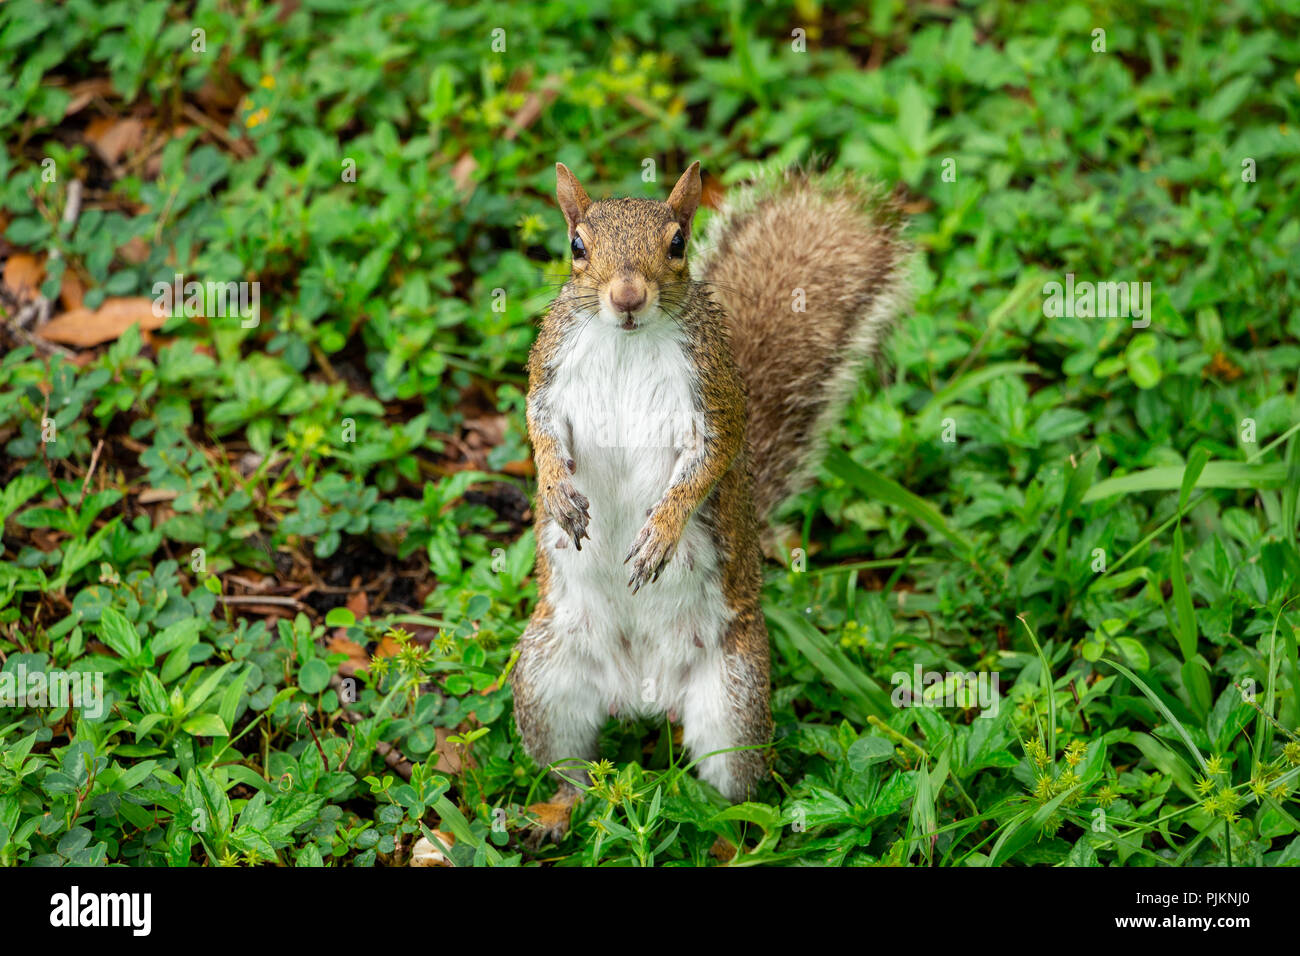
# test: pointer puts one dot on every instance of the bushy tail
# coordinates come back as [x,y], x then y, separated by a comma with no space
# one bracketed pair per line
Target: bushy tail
[831,246]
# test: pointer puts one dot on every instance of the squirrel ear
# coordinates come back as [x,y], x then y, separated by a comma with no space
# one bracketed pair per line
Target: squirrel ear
[685,198]
[572,198]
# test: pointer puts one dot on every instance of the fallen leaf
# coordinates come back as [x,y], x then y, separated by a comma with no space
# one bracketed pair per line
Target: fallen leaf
[426,853]
[112,137]
[532,108]
[151,496]
[357,658]
[488,430]
[449,755]
[71,293]
[713,193]
[358,603]
[463,172]
[722,850]
[83,93]
[23,275]
[85,328]
[135,250]
[387,647]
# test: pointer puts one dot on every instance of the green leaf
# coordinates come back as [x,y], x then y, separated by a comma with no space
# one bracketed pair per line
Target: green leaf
[869,751]
[1142,362]
[1216,474]
[845,676]
[879,488]
[1185,625]
[340,617]
[1164,710]
[314,677]
[119,634]
[205,725]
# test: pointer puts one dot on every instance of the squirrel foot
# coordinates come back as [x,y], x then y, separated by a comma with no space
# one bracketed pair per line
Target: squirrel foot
[652,550]
[552,823]
[568,507]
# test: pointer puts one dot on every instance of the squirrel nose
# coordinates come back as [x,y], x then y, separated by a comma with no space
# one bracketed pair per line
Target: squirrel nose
[627,296]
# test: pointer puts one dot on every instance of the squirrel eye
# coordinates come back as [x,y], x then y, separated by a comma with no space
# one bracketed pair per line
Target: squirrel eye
[677,248]
[579,250]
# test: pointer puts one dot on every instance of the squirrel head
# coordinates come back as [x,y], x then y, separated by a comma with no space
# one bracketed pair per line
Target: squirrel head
[629,255]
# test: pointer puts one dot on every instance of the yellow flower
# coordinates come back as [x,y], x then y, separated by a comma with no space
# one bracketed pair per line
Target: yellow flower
[1034,751]
[268,81]
[257,117]
[1291,753]
[1074,753]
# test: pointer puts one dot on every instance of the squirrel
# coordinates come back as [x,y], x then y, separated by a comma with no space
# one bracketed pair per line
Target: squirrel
[676,397]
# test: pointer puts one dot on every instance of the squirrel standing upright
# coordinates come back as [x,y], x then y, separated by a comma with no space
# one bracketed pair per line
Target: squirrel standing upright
[669,415]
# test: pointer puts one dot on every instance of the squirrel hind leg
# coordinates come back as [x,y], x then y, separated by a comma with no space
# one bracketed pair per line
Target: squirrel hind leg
[558,715]
[727,706]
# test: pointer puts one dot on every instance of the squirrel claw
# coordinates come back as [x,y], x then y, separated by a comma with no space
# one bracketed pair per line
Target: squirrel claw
[652,551]
[568,507]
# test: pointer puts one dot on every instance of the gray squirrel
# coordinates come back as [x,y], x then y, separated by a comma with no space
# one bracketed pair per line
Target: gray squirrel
[669,416]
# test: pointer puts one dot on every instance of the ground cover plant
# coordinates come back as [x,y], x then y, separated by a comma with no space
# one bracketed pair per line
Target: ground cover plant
[293,540]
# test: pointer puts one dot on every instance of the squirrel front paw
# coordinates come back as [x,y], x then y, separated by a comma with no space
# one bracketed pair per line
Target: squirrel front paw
[651,551]
[568,507]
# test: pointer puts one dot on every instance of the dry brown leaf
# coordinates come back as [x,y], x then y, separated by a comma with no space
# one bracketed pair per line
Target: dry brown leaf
[151,496]
[387,647]
[487,430]
[712,193]
[532,108]
[722,850]
[358,603]
[84,93]
[427,853]
[84,328]
[357,657]
[134,251]
[113,137]
[23,275]
[71,292]
[463,172]
[449,756]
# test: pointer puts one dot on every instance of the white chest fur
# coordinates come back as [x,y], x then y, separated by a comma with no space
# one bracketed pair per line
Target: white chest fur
[623,402]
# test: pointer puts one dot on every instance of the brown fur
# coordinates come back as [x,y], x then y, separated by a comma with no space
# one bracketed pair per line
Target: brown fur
[841,245]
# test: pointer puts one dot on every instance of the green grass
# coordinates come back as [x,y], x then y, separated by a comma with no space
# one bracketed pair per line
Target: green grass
[1111,529]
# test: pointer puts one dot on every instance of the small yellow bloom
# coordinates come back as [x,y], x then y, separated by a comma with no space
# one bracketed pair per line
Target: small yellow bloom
[1291,753]
[257,117]
[268,81]
[1074,753]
